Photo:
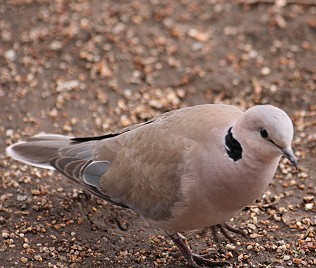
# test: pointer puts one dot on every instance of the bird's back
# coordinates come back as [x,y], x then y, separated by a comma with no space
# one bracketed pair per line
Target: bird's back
[151,159]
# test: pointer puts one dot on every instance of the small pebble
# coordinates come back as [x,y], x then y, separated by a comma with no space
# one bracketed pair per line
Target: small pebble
[230,247]
[265,70]
[24,260]
[10,55]
[286,257]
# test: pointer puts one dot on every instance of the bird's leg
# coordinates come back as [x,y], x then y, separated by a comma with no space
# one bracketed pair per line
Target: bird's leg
[186,252]
[234,230]
[193,259]
[224,228]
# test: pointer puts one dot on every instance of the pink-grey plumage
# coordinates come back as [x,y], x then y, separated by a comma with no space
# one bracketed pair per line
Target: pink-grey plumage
[184,170]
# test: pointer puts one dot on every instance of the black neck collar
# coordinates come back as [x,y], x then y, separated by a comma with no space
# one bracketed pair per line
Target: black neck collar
[233,147]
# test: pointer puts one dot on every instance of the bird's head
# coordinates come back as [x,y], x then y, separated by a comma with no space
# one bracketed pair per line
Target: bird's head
[267,131]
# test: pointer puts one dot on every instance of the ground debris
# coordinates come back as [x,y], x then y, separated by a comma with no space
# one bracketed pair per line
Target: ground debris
[91,67]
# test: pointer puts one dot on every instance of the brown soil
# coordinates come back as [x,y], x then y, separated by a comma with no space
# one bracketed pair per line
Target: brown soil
[84,67]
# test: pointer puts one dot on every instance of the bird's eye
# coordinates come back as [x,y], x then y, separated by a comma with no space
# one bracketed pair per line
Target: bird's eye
[263,133]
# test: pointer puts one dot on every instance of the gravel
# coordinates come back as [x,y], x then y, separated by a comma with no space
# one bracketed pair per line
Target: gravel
[83,67]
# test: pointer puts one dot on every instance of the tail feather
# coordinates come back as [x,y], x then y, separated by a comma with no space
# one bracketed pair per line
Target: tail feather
[31,155]
[78,150]
[72,158]
[40,149]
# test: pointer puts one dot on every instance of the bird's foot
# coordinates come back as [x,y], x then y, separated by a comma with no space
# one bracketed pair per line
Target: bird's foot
[201,260]
[193,259]
[225,229]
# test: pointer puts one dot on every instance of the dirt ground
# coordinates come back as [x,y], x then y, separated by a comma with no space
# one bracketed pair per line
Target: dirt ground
[84,67]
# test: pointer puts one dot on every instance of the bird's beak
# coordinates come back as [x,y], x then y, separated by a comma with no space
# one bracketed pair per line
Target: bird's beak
[288,153]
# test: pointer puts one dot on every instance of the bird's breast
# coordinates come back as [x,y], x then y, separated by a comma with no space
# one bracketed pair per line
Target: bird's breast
[214,192]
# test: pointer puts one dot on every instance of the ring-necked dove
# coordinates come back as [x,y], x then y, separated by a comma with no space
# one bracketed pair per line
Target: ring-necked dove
[186,169]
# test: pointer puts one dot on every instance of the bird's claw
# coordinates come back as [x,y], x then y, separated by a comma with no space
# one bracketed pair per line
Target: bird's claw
[194,259]
[224,228]
[202,260]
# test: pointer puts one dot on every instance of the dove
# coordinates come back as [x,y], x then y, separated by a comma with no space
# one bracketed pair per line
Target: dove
[186,169]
